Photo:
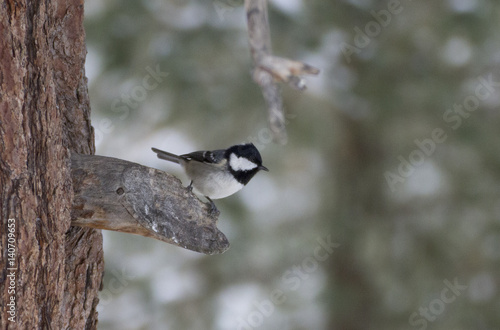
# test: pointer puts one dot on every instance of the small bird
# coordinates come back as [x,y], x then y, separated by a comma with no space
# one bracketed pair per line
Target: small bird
[218,173]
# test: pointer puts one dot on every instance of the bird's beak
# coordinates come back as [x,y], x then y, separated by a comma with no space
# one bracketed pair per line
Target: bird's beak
[263,168]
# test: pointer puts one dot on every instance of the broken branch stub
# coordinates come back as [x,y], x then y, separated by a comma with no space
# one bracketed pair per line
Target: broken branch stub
[271,69]
[118,195]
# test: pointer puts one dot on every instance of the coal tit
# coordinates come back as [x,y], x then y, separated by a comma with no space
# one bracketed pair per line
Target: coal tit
[218,173]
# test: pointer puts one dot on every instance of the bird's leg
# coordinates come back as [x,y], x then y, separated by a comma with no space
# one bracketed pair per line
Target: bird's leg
[213,209]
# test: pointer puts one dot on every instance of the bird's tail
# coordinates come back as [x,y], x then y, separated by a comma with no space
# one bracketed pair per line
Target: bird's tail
[166,155]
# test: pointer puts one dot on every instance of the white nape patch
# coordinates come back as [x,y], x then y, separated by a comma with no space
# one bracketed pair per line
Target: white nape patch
[241,163]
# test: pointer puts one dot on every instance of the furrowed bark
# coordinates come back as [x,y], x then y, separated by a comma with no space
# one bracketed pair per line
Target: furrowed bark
[55,272]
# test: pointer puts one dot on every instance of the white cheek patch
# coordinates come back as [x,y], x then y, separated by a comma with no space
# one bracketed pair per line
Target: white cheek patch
[241,163]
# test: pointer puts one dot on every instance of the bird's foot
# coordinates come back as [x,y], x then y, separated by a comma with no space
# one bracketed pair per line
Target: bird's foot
[214,212]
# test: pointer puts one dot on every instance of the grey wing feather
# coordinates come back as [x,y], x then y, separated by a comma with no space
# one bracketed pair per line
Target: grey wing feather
[210,157]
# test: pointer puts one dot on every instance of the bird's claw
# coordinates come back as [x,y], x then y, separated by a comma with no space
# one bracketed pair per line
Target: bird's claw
[214,212]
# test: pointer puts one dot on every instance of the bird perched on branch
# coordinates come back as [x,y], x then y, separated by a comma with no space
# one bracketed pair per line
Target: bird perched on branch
[218,173]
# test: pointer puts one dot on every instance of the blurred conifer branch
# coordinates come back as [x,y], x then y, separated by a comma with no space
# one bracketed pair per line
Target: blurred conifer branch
[269,69]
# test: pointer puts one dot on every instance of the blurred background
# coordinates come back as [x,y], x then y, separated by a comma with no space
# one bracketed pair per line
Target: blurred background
[381,212]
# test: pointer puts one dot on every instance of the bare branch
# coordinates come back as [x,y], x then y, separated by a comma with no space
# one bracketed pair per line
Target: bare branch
[118,195]
[270,69]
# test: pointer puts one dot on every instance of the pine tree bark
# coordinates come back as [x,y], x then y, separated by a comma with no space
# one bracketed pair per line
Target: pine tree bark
[53,271]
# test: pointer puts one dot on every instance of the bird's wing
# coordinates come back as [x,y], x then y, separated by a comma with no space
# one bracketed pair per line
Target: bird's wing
[210,157]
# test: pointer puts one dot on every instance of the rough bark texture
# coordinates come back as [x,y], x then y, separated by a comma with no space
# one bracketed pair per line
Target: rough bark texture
[44,116]
[118,195]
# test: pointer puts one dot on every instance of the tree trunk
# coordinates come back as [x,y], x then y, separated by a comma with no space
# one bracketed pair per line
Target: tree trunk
[358,204]
[50,272]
